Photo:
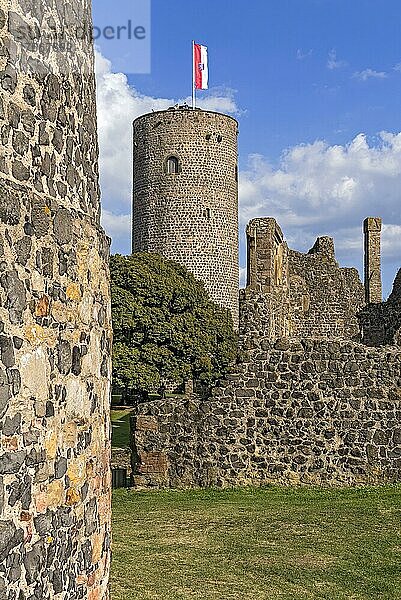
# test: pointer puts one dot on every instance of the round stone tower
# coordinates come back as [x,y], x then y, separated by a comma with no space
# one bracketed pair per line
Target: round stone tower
[185,200]
[55,314]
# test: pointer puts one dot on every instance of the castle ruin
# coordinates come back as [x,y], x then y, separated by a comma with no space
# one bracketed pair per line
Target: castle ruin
[316,398]
[55,330]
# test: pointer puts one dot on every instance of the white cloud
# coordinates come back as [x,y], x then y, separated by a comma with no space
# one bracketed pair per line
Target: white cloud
[318,189]
[118,227]
[391,242]
[370,74]
[303,55]
[118,105]
[333,62]
[242,276]
[397,67]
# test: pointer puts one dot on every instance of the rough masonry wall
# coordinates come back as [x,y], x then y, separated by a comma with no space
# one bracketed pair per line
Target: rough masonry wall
[55,332]
[310,404]
[190,216]
[310,412]
[381,323]
[304,295]
[325,299]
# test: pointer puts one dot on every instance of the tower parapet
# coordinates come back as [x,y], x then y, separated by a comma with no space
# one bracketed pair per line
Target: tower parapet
[185,197]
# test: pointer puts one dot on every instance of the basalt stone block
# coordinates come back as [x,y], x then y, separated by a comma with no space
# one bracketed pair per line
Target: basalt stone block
[64,357]
[35,457]
[8,80]
[76,360]
[11,425]
[11,462]
[10,207]
[91,517]
[34,562]
[20,171]
[20,490]
[23,249]
[7,351]
[29,94]
[10,538]
[16,295]
[44,524]
[40,217]
[5,392]
[283,344]
[14,379]
[14,567]
[62,226]
[20,143]
[60,468]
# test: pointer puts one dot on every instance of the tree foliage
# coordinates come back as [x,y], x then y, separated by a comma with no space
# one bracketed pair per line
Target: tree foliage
[166,329]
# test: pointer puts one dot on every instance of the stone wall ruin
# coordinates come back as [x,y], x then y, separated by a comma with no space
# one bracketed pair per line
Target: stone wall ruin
[316,398]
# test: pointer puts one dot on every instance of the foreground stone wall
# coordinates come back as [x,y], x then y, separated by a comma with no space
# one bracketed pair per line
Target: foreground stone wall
[310,412]
[55,330]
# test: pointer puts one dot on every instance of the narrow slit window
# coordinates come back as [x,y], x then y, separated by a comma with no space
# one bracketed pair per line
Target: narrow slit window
[172,165]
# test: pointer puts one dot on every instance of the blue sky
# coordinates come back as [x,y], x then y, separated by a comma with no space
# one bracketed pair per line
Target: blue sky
[313,84]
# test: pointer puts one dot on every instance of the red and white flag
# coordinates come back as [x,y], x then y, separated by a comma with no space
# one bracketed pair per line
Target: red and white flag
[201,68]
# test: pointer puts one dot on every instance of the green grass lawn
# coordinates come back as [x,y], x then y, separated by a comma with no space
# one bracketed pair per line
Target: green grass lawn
[256,544]
[120,428]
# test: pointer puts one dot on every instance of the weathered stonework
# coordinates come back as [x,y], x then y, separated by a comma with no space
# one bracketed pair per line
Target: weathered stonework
[305,295]
[311,412]
[313,402]
[381,323]
[55,332]
[372,243]
[190,216]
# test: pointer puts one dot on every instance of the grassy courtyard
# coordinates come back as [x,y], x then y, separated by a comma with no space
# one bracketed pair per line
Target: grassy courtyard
[120,428]
[257,544]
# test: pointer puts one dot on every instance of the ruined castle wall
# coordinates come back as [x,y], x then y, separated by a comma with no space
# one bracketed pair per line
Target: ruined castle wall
[309,404]
[304,295]
[325,299]
[381,323]
[190,216]
[55,330]
[316,412]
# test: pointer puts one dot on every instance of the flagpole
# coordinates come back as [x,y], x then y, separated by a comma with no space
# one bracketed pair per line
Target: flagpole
[193,75]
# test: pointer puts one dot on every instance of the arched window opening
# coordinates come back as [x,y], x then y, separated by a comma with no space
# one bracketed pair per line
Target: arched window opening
[172,165]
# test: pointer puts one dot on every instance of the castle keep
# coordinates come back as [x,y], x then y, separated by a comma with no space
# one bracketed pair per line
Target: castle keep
[185,202]
[55,331]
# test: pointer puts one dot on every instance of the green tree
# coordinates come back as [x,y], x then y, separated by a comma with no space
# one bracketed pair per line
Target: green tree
[166,328]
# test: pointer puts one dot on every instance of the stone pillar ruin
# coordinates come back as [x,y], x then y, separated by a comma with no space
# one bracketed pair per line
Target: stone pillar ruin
[55,332]
[266,255]
[372,227]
